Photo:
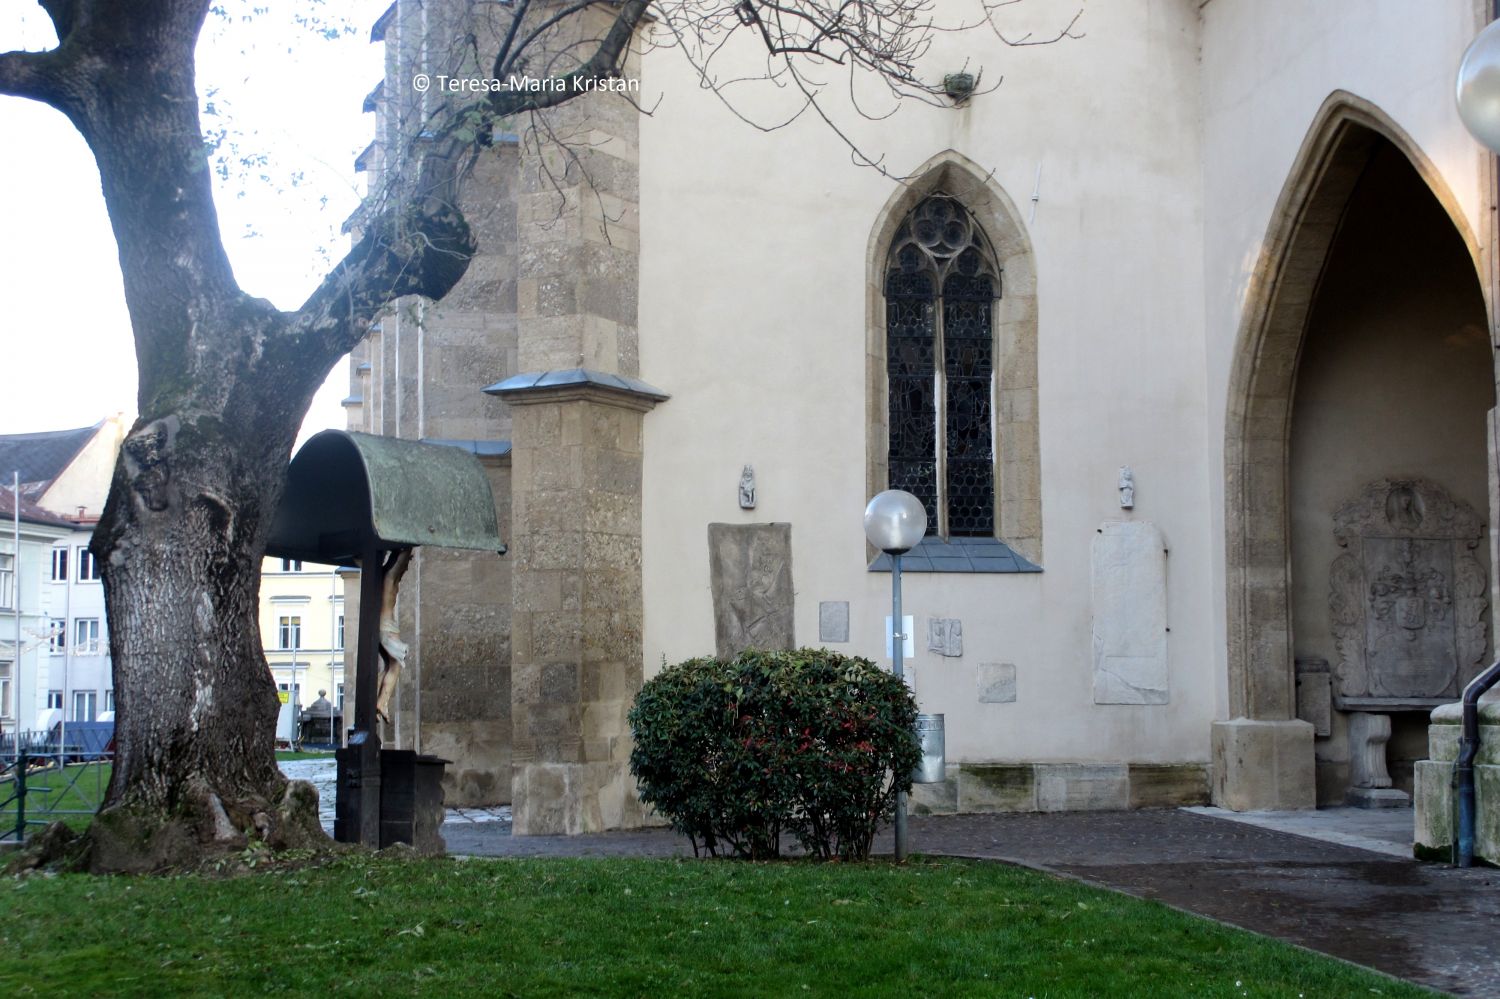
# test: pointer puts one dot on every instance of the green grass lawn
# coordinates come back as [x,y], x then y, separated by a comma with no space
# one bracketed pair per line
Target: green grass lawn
[378,927]
[72,795]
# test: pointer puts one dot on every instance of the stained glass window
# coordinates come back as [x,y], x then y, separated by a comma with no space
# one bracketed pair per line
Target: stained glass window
[940,290]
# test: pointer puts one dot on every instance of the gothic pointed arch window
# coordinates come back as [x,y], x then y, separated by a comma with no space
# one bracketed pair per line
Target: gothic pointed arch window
[941,287]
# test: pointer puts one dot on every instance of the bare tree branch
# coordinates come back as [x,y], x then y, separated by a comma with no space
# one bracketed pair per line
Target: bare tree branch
[603,65]
[33,75]
[421,248]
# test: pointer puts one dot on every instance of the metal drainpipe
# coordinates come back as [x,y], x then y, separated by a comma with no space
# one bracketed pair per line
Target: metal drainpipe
[1463,771]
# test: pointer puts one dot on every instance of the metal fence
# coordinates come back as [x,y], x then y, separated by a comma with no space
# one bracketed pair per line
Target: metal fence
[47,777]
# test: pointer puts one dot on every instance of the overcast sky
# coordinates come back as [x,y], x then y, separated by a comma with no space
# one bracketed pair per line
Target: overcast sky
[288,93]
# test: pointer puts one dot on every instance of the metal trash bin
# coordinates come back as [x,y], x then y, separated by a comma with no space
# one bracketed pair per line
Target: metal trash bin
[932,769]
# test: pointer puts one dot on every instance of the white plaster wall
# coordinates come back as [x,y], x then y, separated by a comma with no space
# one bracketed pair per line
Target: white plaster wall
[84,484]
[1267,67]
[752,315]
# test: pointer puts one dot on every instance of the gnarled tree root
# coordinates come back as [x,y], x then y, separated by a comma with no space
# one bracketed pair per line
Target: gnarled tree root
[204,829]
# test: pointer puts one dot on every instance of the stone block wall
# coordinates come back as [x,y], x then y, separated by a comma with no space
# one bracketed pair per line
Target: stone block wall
[419,375]
[577,619]
[1058,787]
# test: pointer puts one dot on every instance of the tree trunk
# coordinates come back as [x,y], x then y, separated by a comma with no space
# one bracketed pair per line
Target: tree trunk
[195,771]
[225,380]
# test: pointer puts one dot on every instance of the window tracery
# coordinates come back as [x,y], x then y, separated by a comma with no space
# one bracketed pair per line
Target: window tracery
[941,286]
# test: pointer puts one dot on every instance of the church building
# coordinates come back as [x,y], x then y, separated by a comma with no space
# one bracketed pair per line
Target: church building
[1179,326]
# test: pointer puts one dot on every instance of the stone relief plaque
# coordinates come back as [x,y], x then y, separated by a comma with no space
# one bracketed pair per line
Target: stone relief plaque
[1129,594]
[750,572]
[1407,596]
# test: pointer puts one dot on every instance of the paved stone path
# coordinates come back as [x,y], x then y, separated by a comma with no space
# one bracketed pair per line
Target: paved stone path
[1427,923]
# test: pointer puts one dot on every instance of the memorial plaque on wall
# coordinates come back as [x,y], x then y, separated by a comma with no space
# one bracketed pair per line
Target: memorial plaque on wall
[1407,596]
[750,572]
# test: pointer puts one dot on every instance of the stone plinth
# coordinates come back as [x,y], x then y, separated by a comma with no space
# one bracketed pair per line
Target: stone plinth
[1436,808]
[1262,765]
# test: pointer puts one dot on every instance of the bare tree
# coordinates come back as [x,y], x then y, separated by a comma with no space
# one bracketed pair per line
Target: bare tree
[226,378]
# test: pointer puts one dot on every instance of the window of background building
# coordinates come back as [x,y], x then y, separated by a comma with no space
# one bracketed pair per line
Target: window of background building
[54,699]
[59,565]
[5,689]
[86,636]
[57,638]
[289,632]
[85,705]
[88,566]
[338,633]
[109,700]
[291,565]
[7,580]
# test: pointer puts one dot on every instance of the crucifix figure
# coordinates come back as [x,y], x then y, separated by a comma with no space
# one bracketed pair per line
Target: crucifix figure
[392,649]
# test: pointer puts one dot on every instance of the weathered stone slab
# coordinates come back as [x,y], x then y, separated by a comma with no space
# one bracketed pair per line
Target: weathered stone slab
[833,621]
[945,636]
[750,574]
[1432,803]
[1407,595]
[1001,788]
[1074,787]
[997,683]
[1315,695]
[1168,785]
[1129,591]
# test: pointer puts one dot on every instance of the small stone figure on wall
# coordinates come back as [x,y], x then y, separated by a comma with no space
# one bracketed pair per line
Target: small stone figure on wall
[392,649]
[747,488]
[1127,488]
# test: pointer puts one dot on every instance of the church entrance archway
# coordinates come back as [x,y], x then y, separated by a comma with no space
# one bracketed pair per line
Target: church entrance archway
[1356,474]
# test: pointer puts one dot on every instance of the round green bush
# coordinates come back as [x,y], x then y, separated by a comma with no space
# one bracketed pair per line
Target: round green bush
[809,742]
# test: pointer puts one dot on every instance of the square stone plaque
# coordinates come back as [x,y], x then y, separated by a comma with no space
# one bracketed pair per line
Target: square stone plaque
[833,621]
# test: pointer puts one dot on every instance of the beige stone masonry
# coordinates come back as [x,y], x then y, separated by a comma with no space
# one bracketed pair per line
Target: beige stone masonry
[1047,787]
[576,645]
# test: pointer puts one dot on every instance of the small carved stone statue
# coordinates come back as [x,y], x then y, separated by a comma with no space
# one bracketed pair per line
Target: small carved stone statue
[747,488]
[1127,488]
[392,649]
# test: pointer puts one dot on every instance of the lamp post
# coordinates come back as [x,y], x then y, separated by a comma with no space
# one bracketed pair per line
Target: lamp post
[895,521]
[1478,94]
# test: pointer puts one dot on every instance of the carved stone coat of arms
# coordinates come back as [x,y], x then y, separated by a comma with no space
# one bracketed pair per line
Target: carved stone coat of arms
[1407,597]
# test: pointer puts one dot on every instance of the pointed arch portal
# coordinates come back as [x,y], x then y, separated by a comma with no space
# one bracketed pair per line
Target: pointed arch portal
[1264,755]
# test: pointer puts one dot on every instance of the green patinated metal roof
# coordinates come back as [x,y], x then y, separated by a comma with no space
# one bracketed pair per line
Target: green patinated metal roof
[345,490]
